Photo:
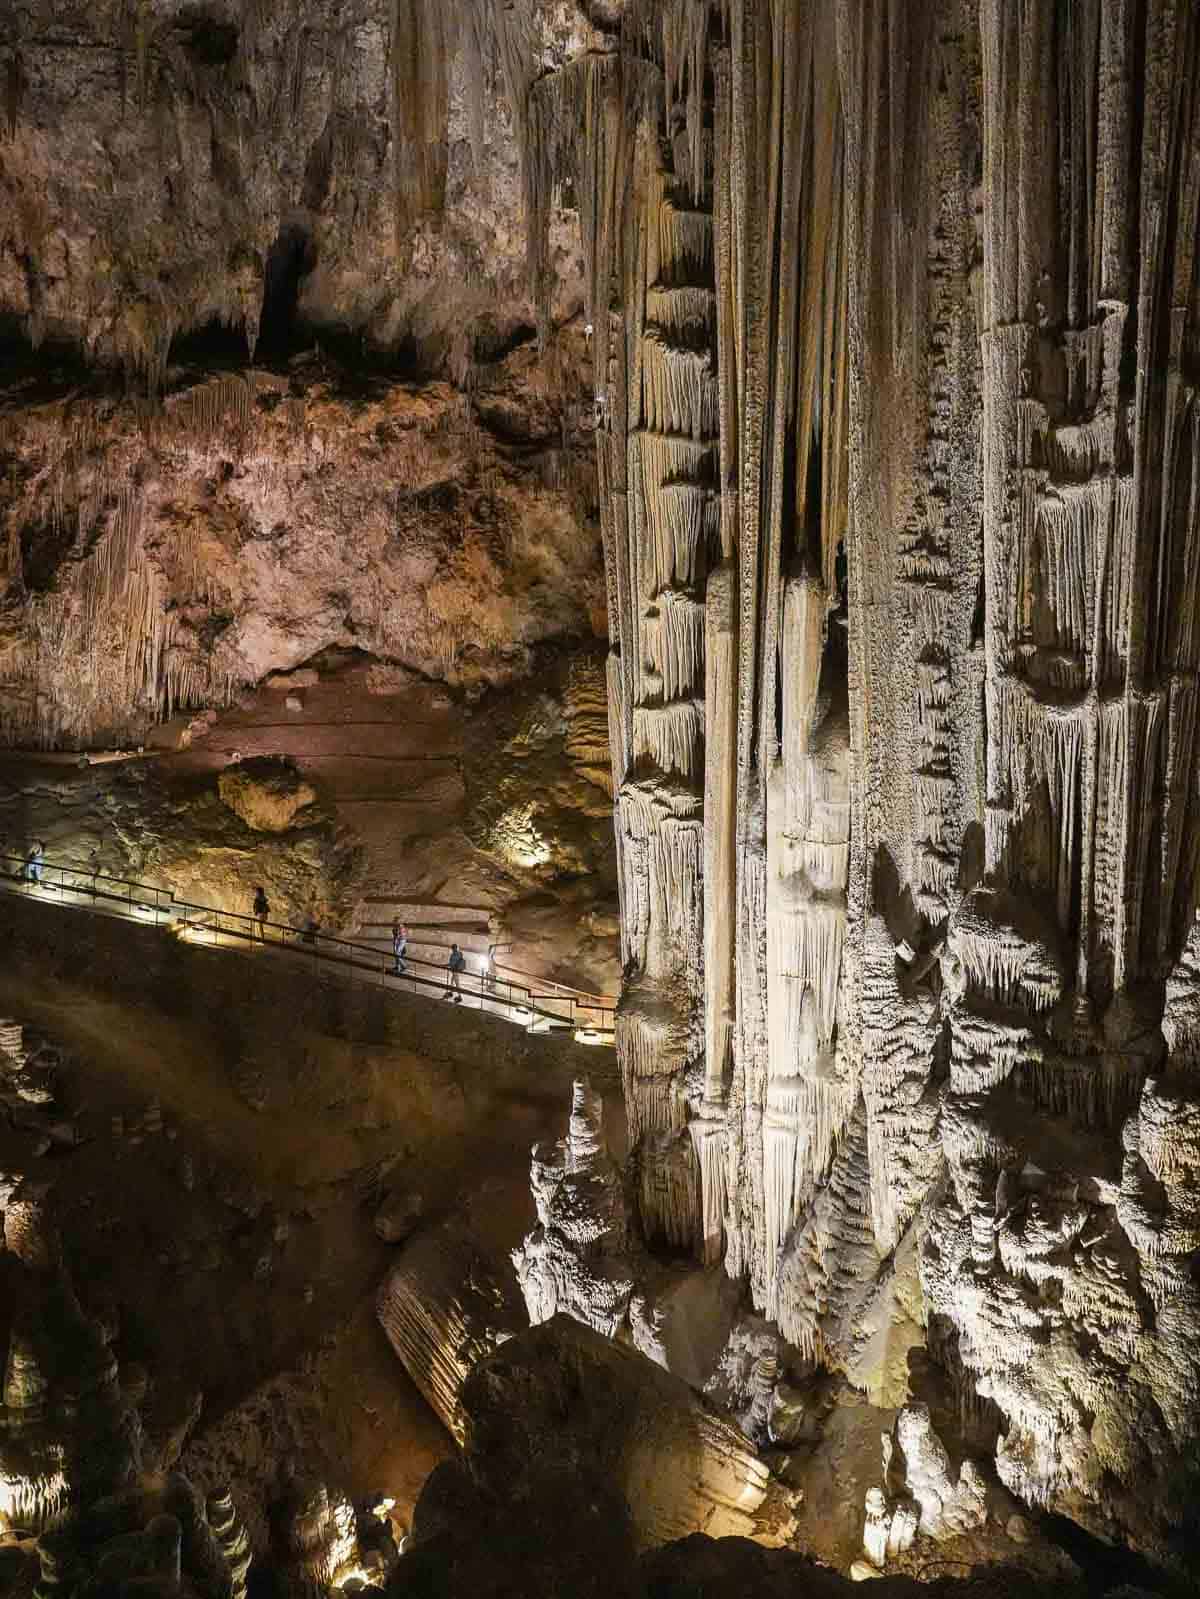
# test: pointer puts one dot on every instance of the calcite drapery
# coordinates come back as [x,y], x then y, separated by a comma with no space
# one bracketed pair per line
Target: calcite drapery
[919,285]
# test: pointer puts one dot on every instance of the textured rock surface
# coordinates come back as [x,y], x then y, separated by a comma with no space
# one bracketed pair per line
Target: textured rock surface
[186,187]
[267,798]
[68,1433]
[207,836]
[893,325]
[444,1307]
[896,426]
[560,1399]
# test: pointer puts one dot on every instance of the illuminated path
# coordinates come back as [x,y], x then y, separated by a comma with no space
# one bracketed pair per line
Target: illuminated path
[532,1003]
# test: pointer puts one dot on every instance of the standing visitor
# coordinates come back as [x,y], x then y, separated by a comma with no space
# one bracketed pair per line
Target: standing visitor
[489,966]
[35,863]
[455,965]
[399,946]
[262,909]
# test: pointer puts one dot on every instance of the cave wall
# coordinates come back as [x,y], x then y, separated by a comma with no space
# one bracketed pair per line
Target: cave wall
[896,319]
[269,375]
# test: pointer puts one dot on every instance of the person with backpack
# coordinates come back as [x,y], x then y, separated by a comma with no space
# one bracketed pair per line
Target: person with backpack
[456,965]
[35,863]
[262,909]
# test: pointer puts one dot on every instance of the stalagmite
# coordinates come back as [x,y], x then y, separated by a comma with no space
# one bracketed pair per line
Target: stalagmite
[578,1258]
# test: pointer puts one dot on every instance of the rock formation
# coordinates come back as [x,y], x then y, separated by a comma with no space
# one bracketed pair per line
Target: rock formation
[578,1259]
[68,1433]
[444,1307]
[896,337]
[678,1466]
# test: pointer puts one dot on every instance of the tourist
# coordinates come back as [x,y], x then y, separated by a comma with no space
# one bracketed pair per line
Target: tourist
[262,909]
[399,946]
[311,928]
[489,966]
[455,965]
[35,863]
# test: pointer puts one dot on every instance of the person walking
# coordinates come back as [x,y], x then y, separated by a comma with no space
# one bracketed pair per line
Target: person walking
[489,966]
[262,909]
[456,965]
[35,863]
[399,946]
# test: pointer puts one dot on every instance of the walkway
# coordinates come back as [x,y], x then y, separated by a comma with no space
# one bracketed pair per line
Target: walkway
[531,1003]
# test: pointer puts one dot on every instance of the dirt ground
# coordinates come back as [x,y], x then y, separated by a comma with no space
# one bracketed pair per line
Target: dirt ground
[236,1245]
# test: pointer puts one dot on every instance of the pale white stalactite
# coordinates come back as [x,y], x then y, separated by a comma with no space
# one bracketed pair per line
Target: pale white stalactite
[953,881]
[808,830]
[720,843]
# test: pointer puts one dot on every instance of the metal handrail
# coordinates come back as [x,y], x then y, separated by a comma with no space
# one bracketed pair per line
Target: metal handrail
[586,995]
[603,1001]
[523,1003]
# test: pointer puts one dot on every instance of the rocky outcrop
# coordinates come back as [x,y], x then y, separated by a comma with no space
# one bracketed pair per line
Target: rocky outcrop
[268,796]
[677,1465]
[444,1307]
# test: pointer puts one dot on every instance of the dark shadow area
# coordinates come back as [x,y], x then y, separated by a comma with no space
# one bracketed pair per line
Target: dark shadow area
[211,40]
[215,344]
[42,372]
[291,258]
[1106,1565]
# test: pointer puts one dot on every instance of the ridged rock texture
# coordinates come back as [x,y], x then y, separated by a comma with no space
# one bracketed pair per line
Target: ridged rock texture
[444,1307]
[896,325]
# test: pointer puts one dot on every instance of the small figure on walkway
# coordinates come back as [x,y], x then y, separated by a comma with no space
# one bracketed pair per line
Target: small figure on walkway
[399,946]
[35,863]
[262,909]
[456,965]
[489,966]
[311,928]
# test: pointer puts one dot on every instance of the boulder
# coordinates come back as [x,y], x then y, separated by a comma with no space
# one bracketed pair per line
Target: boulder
[267,795]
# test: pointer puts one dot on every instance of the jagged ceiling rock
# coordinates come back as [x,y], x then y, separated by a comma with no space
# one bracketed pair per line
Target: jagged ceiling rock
[168,166]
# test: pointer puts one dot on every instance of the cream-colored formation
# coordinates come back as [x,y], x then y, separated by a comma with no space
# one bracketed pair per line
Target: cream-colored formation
[897,333]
